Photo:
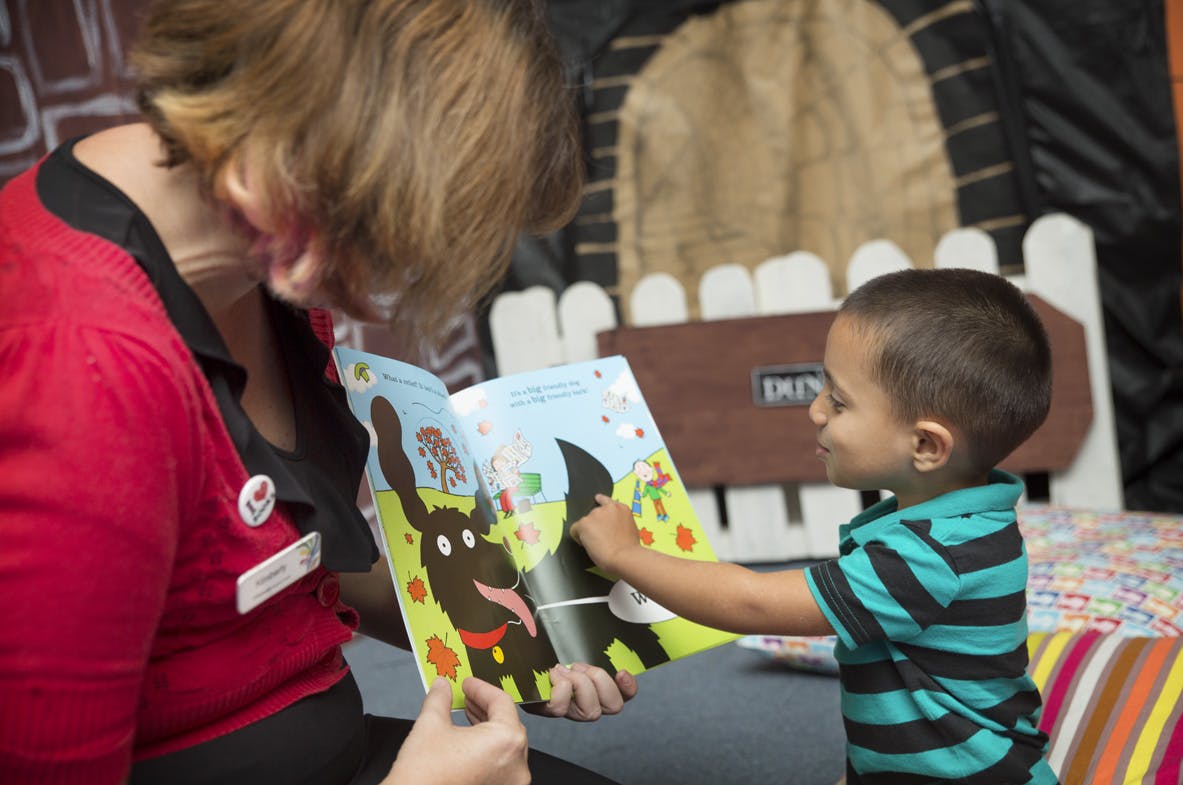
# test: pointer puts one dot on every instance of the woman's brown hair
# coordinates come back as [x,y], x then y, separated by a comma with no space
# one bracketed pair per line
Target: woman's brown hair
[412,140]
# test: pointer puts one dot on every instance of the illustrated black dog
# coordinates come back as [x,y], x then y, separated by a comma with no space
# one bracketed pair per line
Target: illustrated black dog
[496,617]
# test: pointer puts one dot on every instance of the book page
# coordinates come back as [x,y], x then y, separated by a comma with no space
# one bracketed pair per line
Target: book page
[460,592]
[546,442]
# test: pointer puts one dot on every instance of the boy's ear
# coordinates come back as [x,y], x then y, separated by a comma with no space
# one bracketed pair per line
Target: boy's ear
[932,445]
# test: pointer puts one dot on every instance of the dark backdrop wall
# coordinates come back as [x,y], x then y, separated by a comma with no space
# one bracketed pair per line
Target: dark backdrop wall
[848,119]
[1093,84]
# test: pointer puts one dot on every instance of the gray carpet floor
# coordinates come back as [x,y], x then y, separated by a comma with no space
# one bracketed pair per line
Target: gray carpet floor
[722,717]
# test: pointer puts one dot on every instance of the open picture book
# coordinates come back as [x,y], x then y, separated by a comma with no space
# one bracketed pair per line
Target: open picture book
[475,493]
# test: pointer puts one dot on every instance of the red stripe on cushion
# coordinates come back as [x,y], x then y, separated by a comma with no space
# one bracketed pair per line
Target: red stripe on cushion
[1060,680]
[1169,770]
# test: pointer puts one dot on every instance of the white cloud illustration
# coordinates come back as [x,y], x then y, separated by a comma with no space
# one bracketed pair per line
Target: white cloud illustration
[467,401]
[625,387]
[626,430]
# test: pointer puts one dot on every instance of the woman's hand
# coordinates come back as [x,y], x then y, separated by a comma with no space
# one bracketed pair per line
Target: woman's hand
[491,752]
[585,693]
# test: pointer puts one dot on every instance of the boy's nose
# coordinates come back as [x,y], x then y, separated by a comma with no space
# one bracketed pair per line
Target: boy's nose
[816,412]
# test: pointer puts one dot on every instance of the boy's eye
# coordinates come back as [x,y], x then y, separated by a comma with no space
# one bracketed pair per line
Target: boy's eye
[836,404]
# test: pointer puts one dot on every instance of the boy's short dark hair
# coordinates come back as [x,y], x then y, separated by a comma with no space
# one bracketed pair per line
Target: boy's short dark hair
[961,346]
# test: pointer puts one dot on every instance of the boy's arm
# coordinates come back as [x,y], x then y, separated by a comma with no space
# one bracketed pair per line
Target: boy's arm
[717,594]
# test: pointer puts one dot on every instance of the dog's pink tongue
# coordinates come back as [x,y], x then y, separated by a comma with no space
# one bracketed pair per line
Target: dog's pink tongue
[510,599]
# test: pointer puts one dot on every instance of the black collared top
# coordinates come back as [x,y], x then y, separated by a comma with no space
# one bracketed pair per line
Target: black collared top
[319,479]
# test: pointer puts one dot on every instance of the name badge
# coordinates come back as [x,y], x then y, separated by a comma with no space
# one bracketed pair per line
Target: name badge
[276,573]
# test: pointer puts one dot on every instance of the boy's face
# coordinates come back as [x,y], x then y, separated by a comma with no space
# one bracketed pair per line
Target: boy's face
[861,442]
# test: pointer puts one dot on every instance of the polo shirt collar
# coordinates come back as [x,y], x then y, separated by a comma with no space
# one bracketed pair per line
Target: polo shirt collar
[1001,492]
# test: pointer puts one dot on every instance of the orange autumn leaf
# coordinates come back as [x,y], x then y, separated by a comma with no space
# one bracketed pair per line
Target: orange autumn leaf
[685,538]
[417,590]
[646,536]
[410,540]
[442,657]
[528,533]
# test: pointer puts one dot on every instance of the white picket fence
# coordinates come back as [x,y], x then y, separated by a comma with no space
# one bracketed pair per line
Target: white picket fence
[532,329]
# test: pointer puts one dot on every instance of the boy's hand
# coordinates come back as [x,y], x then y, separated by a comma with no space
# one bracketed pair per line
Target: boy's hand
[584,693]
[607,532]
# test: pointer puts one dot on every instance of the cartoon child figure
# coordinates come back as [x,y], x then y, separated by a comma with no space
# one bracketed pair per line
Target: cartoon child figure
[508,478]
[650,482]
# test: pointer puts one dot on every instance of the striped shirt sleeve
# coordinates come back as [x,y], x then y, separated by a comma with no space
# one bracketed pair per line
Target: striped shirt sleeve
[873,593]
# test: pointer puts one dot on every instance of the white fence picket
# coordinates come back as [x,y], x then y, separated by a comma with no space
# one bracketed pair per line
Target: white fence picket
[970,248]
[658,298]
[872,259]
[1061,265]
[525,330]
[584,310]
[725,292]
[800,283]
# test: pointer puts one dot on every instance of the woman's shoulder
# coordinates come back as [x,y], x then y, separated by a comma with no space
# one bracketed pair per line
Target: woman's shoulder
[55,275]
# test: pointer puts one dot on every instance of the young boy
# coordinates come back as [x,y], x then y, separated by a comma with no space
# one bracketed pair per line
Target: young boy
[931,378]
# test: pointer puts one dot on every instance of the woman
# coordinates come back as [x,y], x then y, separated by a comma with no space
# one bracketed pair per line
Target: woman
[168,425]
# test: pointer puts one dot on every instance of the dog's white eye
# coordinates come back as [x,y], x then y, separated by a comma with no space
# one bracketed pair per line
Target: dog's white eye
[444,544]
[469,539]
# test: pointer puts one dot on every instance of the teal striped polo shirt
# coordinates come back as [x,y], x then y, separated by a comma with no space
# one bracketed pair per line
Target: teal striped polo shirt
[929,606]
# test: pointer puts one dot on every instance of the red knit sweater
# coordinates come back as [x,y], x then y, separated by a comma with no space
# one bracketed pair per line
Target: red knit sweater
[120,541]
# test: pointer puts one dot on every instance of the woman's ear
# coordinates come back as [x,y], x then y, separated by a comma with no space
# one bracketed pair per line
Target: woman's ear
[295,278]
[294,266]
[932,445]
[241,188]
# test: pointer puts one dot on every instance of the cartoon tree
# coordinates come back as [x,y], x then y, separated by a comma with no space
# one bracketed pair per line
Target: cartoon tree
[435,444]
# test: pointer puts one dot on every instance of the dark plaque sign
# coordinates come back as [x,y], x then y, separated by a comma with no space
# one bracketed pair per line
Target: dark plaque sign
[786,385]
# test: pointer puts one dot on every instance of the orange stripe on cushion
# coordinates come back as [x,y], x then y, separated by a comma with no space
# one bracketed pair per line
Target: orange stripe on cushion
[1134,701]
[1162,706]
[1106,691]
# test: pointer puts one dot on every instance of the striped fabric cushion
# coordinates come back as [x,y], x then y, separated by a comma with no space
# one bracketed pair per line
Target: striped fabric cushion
[1111,706]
